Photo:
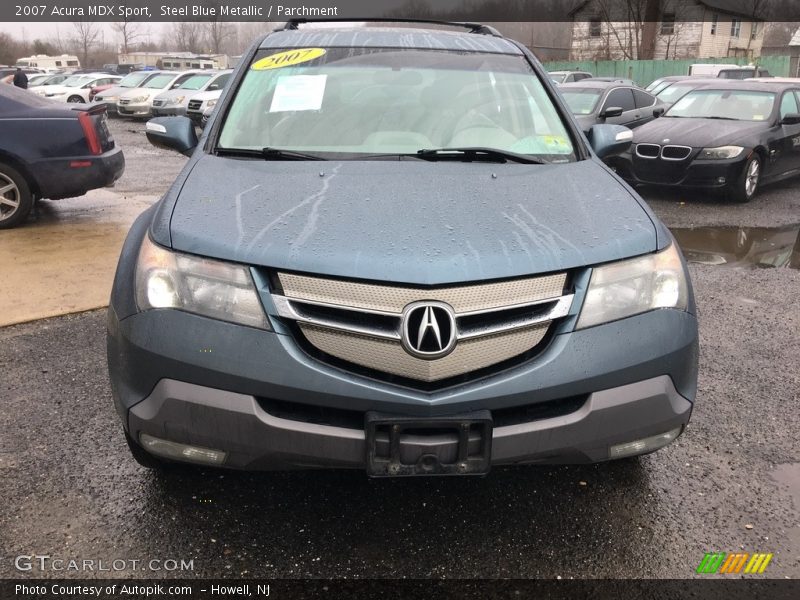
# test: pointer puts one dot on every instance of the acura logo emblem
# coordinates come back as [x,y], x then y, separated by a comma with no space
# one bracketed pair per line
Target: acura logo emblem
[429,329]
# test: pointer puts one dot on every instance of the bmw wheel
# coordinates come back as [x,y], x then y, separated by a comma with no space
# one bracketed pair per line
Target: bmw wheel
[16,199]
[746,186]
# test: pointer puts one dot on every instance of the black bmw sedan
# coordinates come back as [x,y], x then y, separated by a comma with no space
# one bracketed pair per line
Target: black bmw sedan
[732,136]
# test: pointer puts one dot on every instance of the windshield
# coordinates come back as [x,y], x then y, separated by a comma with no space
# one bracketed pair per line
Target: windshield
[739,105]
[77,80]
[133,80]
[391,101]
[653,85]
[195,83]
[581,101]
[675,91]
[159,81]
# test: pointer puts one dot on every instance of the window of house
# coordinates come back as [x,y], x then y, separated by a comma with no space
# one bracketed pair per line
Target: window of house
[58,63]
[714,20]
[668,24]
[754,30]
[595,27]
[736,27]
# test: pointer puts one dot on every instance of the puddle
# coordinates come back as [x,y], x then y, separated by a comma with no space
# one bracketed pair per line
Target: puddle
[743,247]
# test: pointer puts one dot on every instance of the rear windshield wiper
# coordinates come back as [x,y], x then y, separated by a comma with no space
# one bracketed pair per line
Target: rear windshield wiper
[268,153]
[478,153]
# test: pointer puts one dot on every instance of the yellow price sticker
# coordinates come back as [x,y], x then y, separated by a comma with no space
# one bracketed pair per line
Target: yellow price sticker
[287,59]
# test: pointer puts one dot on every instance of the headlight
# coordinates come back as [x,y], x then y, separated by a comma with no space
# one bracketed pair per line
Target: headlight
[177,100]
[211,103]
[211,288]
[721,153]
[634,286]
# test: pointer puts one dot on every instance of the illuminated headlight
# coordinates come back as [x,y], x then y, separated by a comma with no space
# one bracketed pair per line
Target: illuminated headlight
[721,153]
[629,287]
[211,103]
[211,288]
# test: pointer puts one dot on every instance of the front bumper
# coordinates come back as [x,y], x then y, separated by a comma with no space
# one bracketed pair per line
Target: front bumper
[111,106]
[134,110]
[689,173]
[168,111]
[193,380]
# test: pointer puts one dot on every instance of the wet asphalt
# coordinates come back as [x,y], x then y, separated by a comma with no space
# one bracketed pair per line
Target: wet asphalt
[69,488]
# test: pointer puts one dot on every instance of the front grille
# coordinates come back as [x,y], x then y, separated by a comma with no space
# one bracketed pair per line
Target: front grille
[647,150]
[195,104]
[123,102]
[675,152]
[372,326]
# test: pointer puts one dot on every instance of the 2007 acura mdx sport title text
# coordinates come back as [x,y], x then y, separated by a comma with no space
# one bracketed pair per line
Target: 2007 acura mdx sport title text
[392,249]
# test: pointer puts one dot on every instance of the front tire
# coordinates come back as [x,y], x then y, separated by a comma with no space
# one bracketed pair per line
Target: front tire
[75,99]
[746,185]
[16,199]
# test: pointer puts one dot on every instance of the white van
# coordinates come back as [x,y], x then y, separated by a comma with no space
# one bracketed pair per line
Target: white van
[49,64]
[727,71]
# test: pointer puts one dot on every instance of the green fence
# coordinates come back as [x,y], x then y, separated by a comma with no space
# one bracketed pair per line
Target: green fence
[645,71]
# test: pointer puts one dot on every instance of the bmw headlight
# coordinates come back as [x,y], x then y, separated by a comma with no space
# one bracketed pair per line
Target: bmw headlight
[211,288]
[629,287]
[721,153]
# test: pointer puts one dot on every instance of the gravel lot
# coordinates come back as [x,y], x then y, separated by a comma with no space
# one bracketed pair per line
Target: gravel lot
[732,482]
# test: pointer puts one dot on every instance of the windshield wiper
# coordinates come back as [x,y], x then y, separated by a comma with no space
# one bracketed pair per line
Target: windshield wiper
[478,153]
[723,118]
[268,153]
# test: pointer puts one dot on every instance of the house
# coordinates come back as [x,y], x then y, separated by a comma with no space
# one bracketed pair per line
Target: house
[666,29]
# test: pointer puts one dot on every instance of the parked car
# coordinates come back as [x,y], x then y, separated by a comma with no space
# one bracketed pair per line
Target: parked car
[138,102]
[662,83]
[202,104]
[490,311]
[672,93]
[569,76]
[629,82]
[98,89]
[110,96]
[595,102]
[39,87]
[175,101]
[7,74]
[729,135]
[77,88]
[50,151]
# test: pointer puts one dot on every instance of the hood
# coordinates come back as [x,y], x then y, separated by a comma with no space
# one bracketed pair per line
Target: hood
[206,95]
[412,222]
[140,91]
[169,94]
[697,133]
[114,91]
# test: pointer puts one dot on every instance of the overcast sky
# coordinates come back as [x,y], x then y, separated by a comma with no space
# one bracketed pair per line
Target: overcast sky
[46,31]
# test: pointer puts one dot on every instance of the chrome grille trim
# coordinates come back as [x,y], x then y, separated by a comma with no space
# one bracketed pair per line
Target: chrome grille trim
[654,147]
[390,357]
[392,299]
[687,149]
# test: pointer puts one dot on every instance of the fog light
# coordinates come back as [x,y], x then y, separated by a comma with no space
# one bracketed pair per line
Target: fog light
[648,444]
[178,451]
[721,180]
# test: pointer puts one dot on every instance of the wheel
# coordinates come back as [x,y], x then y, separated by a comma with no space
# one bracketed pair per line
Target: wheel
[144,458]
[16,199]
[75,99]
[746,185]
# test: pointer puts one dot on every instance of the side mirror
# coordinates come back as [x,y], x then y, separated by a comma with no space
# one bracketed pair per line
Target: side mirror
[172,133]
[791,119]
[611,111]
[657,112]
[608,140]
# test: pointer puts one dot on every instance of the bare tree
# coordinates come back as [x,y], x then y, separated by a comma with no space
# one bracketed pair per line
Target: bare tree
[86,34]
[129,31]
[188,36]
[216,33]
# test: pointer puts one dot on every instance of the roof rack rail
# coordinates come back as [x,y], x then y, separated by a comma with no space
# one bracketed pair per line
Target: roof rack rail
[473,27]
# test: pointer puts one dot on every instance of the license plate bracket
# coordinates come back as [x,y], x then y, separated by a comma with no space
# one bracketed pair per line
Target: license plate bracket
[446,445]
